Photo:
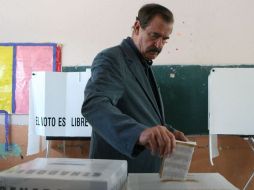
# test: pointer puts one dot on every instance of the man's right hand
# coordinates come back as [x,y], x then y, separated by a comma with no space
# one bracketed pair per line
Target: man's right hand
[158,139]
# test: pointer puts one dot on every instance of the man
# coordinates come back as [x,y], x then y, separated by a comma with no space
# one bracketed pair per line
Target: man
[122,101]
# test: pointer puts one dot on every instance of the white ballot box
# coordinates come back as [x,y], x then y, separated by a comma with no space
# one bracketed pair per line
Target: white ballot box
[194,181]
[66,174]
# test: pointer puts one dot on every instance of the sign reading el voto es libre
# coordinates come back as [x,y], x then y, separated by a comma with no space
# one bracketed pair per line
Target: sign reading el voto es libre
[61,121]
[55,104]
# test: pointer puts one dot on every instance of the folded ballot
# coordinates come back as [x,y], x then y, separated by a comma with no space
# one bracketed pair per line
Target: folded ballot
[66,174]
[176,165]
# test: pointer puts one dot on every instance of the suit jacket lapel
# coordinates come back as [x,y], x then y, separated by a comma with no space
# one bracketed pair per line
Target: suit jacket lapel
[160,102]
[136,67]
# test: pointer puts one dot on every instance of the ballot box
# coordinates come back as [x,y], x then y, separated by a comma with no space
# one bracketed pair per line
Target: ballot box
[194,181]
[66,174]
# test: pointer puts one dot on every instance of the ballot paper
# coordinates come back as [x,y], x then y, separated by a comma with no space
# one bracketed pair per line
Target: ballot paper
[176,165]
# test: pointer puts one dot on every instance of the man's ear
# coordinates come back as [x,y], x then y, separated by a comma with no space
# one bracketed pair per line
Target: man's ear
[136,27]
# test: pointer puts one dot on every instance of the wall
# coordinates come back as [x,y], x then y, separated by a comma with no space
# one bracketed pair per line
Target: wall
[205,32]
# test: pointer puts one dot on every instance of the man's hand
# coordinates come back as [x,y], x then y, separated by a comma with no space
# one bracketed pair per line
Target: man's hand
[180,136]
[158,139]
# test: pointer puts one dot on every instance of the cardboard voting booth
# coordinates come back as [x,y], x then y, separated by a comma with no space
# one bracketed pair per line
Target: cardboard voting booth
[66,174]
[55,101]
[230,104]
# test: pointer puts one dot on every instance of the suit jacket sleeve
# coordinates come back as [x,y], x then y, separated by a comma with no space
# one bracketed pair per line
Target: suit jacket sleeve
[103,90]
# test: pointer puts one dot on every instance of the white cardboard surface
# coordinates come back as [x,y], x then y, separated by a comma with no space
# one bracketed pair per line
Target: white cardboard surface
[195,181]
[66,174]
[55,106]
[230,104]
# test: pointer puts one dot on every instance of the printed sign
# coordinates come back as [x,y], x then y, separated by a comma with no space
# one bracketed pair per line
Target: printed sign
[55,104]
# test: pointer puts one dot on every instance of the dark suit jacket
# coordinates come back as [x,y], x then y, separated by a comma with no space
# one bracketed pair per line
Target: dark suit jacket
[119,104]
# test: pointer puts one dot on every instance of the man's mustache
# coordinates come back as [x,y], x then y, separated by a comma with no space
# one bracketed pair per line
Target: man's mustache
[154,49]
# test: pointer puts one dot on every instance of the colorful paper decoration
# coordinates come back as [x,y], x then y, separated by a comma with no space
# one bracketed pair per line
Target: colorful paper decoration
[29,59]
[59,58]
[17,62]
[6,66]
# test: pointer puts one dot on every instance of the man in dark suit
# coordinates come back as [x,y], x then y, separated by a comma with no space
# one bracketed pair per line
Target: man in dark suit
[122,100]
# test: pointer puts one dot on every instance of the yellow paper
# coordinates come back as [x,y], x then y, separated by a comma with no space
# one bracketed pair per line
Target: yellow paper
[6,60]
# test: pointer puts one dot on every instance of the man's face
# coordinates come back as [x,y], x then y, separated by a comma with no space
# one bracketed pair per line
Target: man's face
[151,40]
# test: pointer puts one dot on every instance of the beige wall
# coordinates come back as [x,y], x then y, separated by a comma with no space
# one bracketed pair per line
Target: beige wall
[235,163]
[206,32]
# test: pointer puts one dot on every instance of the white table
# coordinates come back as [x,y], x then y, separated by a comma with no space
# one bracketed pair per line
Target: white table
[195,181]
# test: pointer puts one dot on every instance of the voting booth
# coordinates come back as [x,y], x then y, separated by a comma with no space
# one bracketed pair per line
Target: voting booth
[230,105]
[55,103]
